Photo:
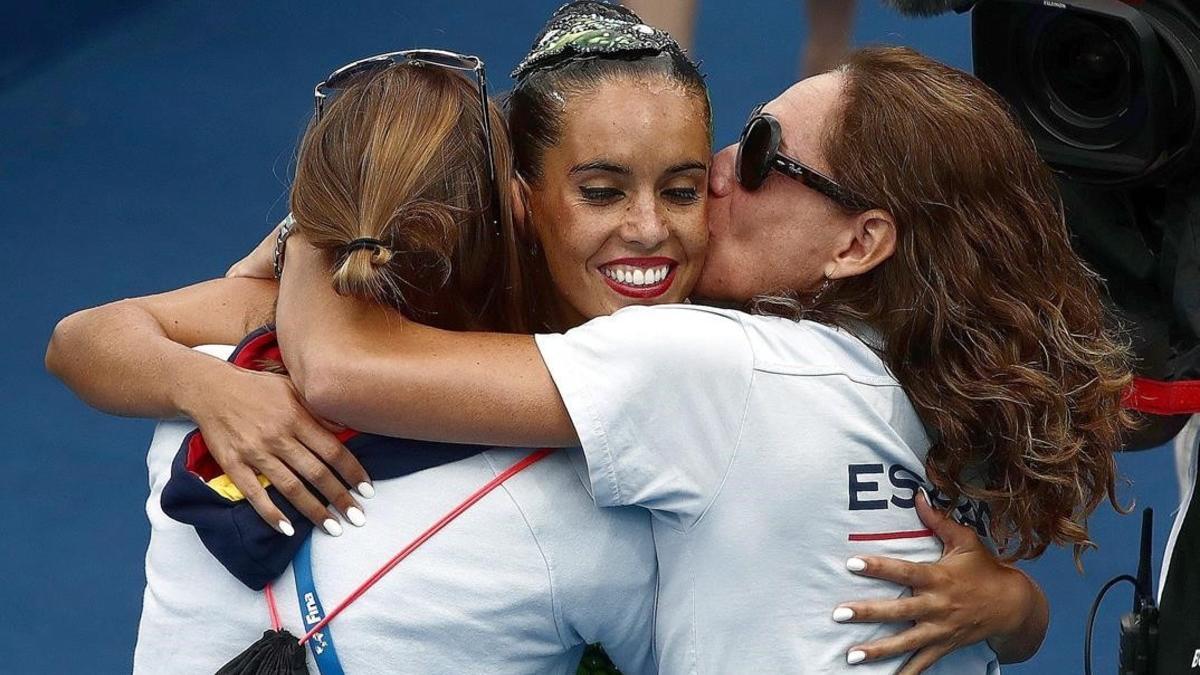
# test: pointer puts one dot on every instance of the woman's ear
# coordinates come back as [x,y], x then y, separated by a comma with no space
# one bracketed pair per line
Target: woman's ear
[520,208]
[870,240]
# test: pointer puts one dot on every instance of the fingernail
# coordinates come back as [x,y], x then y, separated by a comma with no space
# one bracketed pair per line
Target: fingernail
[366,490]
[286,528]
[927,495]
[332,527]
[856,656]
[843,614]
[356,516]
[856,564]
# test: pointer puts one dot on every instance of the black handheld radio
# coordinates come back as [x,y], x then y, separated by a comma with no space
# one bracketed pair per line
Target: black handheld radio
[1139,628]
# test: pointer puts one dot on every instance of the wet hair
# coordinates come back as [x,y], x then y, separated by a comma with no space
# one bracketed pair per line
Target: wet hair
[584,45]
[993,325]
[555,71]
[393,183]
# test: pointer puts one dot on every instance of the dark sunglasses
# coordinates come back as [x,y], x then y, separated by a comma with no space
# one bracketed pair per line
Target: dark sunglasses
[343,76]
[758,155]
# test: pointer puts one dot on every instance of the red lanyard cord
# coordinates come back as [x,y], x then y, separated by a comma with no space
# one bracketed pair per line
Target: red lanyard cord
[276,624]
[531,459]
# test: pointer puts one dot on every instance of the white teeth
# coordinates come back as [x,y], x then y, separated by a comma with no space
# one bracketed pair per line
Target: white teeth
[637,276]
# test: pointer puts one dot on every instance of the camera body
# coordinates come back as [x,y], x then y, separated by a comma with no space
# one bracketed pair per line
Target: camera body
[1109,90]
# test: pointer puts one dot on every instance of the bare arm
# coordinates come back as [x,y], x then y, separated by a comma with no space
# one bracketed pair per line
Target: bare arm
[133,357]
[366,367]
[1024,638]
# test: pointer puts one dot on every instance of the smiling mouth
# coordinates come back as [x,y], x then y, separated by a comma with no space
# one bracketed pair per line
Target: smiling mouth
[639,277]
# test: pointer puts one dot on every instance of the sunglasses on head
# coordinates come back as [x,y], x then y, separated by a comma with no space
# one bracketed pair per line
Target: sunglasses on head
[758,155]
[343,76]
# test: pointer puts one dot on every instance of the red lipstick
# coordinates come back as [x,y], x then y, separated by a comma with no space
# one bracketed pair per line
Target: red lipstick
[641,291]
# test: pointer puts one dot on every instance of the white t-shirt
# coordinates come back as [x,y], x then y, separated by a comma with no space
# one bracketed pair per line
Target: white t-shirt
[517,584]
[768,452]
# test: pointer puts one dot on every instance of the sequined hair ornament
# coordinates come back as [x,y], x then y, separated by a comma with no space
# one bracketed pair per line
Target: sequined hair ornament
[591,29]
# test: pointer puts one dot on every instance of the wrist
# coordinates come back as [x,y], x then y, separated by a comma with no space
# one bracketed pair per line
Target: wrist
[200,377]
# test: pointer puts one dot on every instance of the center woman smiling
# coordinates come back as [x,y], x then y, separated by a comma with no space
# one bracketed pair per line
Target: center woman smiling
[619,213]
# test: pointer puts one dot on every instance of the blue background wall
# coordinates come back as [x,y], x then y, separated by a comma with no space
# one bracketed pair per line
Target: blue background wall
[144,146]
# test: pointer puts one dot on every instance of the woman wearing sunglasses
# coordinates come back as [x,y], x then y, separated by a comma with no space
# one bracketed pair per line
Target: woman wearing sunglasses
[575,202]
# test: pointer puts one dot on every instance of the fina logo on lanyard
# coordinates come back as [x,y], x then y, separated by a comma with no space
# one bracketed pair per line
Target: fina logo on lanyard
[312,616]
[321,643]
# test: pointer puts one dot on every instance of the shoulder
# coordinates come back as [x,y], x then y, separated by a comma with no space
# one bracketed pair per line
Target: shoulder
[668,317]
[663,335]
[786,346]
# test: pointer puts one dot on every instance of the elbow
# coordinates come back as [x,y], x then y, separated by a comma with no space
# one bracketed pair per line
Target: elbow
[323,373]
[319,381]
[1024,642]
[1009,657]
[65,333]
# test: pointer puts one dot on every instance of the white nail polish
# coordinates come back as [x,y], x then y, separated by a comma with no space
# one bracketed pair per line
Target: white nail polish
[356,516]
[856,656]
[366,490]
[928,496]
[286,528]
[856,564]
[843,614]
[332,527]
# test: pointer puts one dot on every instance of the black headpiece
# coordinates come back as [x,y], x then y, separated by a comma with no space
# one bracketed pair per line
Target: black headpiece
[590,29]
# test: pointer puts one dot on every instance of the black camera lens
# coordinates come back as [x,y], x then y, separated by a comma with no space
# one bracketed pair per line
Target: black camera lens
[1082,75]
[1110,91]
[1086,68]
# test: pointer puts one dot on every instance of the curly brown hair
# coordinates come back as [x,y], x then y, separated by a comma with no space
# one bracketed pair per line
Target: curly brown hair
[995,328]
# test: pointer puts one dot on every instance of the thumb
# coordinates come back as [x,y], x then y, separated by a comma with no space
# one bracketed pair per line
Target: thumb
[951,533]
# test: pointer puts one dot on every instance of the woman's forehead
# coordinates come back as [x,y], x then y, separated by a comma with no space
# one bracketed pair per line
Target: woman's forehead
[632,121]
[634,101]
[803,111]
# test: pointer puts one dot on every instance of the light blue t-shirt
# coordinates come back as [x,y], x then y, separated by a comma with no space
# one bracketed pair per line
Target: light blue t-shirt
[768,452]
[518,584]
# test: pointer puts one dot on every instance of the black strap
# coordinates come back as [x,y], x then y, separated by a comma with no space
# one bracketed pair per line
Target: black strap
[364,243]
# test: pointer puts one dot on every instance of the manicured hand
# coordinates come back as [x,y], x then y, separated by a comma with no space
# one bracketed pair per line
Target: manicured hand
[965,597]
[255,422]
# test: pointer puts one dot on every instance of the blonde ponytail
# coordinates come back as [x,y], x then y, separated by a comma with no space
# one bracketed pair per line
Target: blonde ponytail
[393,182]
[362,269]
